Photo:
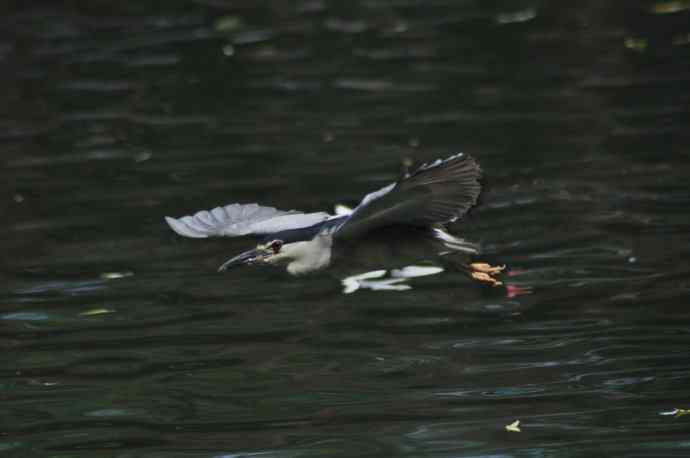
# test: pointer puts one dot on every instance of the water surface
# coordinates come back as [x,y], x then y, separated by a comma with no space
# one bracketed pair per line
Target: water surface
[121,340]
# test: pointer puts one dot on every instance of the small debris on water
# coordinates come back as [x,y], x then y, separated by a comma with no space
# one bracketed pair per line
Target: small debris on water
[228,24]
[93,312]
[228,50]
[676,412]
[514,427]
[142,156]
[115,275]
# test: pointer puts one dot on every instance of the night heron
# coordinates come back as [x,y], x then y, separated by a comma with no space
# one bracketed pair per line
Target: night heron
[404,219]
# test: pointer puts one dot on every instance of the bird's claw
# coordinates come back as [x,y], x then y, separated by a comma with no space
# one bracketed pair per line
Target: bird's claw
[486,278]
[484,272]
[487,268]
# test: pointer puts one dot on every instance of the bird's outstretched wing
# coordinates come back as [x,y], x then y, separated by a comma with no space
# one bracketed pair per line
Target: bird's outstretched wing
[237,219]
[438,192]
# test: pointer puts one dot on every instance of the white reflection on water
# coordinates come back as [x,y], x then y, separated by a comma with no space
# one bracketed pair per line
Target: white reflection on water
[375,280]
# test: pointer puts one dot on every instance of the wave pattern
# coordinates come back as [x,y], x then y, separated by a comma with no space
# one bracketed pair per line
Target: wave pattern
[120,339]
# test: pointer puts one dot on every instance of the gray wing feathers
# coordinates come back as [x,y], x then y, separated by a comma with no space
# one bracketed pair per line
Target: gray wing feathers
[237,220]
[438,192]
[451,185]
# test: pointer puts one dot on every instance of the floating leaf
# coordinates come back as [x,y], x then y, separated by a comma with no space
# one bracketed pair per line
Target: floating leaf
[514,427]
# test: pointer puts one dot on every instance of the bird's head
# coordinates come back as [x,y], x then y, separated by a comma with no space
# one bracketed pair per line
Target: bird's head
[265,253]
[298,254]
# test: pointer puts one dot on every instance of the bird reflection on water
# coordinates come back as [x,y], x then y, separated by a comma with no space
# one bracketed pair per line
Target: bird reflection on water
[375,280]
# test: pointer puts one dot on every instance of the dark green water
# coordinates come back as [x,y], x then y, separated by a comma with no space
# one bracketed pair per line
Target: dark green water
[119,339]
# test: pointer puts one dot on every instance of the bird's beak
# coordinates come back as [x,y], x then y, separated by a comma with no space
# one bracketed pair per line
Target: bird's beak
[246,258]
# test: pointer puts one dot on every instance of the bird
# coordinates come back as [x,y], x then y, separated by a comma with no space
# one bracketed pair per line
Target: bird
[405,219]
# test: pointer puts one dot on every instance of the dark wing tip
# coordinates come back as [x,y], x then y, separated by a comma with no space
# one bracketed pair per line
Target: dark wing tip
[453,184]
[437,192]
[459,165]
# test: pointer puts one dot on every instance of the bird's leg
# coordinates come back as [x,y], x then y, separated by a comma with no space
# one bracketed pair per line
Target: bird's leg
[487,268]
[484,272]
[479,271]
[485,278]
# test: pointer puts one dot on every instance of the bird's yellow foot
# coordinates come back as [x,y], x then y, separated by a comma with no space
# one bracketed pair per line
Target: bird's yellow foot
[487,268]
[486,278]
[481,271]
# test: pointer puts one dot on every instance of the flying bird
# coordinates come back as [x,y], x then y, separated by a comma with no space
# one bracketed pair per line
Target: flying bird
[406,218]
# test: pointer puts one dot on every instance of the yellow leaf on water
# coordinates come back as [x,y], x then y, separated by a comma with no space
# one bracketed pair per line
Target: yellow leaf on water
[514,427]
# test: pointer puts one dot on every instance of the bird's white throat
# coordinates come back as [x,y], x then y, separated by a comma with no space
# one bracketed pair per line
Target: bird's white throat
[307,256]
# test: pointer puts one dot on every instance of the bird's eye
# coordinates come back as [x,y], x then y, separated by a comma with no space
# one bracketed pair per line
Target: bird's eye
[276,245]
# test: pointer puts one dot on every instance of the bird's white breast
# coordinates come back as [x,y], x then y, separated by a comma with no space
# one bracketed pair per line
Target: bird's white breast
[309,256]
